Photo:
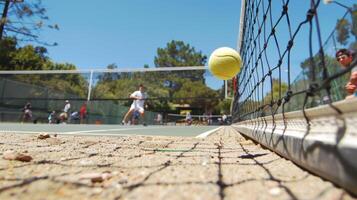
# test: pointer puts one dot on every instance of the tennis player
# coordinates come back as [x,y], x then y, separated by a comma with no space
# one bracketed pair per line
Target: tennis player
[138,104]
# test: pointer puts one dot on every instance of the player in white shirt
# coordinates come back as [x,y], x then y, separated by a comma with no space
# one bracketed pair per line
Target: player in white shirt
[137,105]
[66,114]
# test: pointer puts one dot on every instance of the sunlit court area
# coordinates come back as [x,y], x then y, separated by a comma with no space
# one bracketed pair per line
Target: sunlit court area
[236,99]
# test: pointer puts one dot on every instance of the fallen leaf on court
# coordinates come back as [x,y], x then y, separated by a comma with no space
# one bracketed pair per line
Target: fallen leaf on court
[96,177]
[43,136]
[13,155]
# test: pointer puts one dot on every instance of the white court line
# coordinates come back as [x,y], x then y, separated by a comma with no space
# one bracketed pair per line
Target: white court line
[32,132]
[105,130]
[78,132]
[73,132]
[59,133]
[97,132]
[207,133]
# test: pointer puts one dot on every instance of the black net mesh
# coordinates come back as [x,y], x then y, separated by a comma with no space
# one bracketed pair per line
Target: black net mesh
[288,51]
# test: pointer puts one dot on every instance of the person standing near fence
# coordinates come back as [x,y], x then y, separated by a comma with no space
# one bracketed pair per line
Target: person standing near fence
[224,119]
[66,115]
[158,119]
[345,58]
[188,119]
[209,118]
[83,113]
[52,117]
[27,113]
[67,109]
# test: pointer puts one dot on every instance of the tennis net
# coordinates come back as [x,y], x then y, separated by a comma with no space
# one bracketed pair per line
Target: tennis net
[106,92]
[290,94]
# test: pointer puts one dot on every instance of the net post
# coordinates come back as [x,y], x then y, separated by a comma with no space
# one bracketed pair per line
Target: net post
[90,84]
[241,26]
[239,40]
[225,90]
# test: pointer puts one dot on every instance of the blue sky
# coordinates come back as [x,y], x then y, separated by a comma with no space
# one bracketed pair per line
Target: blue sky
[94,34]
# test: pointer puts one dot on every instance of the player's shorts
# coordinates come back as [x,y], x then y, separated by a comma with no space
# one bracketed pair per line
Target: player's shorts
[63,115]
[137,108]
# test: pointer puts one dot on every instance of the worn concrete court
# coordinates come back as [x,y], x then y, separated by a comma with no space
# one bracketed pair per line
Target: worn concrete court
[223,166]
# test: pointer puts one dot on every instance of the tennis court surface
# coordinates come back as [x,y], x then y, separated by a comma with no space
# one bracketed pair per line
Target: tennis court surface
[222,166]
[108,130]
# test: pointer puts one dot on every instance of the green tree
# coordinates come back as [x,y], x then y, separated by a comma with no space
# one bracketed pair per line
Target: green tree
[7,48]
[109,76]
[25,20]
[177,53]
[31,57]
[278,91]
[198,95]
[21,58]
[354,20]
[343,31]
[164,88]
[27,58]
[330,63]
[247,108]
[224,106]
[346,28]
[186,83]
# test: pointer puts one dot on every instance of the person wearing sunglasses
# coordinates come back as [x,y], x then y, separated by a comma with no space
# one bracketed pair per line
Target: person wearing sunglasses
[345,58]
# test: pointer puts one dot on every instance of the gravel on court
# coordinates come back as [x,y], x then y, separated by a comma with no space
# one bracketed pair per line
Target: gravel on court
[222,166]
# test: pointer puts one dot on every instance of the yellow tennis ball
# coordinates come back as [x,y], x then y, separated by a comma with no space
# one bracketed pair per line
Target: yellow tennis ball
[224,63]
